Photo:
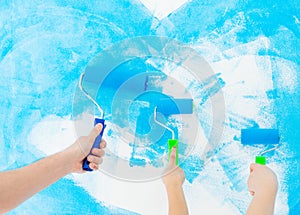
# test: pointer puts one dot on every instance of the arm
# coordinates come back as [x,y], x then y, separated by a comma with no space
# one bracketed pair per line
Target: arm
[176,199]
[18,185]
[263,185]
[173,180]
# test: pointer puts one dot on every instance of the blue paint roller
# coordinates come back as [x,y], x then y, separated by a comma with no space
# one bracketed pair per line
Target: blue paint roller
[100,119]
[170,106]
[260,136]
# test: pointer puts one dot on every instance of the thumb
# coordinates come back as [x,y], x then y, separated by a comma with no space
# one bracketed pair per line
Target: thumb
[172,161]
[94,133]
[252,167]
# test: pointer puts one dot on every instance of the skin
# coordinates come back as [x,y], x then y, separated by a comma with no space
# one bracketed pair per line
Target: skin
[18,185]
[173,180]
[262,185]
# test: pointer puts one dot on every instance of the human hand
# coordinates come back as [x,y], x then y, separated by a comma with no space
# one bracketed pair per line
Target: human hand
[173,179]
[173,174]
[81,149]
[262,180]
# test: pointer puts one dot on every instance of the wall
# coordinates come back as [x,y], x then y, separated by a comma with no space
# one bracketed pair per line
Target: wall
[252,47]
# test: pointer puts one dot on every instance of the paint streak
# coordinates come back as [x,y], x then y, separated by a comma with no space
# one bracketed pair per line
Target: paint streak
[253,47]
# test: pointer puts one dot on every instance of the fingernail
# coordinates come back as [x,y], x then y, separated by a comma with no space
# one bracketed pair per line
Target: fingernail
[99,126]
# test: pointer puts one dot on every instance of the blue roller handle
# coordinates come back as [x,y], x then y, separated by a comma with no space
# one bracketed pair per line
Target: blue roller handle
[85,164]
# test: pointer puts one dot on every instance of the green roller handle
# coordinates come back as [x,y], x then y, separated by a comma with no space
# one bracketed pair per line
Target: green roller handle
[173,143]
[260,160]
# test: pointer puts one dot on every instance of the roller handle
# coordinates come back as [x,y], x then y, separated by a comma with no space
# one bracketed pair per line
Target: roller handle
[261,160]
[85,164]
[173,143]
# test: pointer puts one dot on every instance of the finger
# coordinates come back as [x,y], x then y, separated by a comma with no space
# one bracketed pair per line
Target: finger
[95,132]
[103,144]
[94,166]
[98,152]
[172,161]
[95,159]
[252,193]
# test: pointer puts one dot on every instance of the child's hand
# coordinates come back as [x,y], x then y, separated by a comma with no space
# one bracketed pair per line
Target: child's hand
[173,174]
[262,180]
[173,179]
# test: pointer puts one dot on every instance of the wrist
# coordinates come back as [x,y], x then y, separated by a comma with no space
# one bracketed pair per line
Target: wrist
[266,194]
[174,190]
[268,189]
[173,185]
[68,160]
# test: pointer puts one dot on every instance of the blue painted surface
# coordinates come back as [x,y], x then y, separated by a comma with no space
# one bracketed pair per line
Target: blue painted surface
[63,198]
[45,46]
[259,136]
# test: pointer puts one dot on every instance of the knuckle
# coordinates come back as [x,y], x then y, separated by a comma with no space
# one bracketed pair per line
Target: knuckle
[95,151]
[91,158]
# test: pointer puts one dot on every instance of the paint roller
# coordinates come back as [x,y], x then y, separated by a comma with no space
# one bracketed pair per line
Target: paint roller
[167,107]
[266,137]
[99,119]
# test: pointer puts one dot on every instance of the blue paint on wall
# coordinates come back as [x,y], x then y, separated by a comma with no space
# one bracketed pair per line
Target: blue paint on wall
[65,197]
[45,46]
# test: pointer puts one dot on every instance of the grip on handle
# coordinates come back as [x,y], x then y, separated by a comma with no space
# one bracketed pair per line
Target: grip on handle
[260,160]
[85,164]
[173,143]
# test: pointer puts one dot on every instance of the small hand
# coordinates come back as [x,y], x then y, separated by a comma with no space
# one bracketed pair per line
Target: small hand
[262,180]
[82,147]
[173,174]
[173,179]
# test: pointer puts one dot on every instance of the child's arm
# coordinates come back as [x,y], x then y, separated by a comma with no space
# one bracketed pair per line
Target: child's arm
[263,185]
[173,180]
[18,185]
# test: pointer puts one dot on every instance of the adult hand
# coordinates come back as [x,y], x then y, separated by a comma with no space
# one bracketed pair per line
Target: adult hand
[20,184]
[81,149]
